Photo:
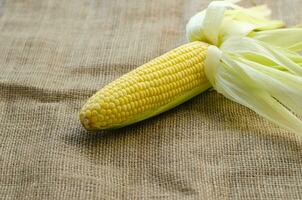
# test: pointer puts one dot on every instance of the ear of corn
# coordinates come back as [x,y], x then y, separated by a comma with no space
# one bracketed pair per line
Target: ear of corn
[151,89]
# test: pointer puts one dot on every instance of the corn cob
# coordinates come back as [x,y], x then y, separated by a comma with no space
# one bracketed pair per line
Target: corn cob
[151,89]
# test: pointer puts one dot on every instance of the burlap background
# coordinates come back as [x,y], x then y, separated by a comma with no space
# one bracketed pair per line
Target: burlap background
[54,54]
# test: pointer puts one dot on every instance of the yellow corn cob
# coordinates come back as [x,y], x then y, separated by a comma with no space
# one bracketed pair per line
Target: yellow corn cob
[152,88]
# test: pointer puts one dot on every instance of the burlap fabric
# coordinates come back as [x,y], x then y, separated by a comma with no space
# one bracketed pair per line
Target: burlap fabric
[54,54]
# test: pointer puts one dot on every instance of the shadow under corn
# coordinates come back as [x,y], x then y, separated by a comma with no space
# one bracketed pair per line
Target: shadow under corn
[208,116]
[217,113]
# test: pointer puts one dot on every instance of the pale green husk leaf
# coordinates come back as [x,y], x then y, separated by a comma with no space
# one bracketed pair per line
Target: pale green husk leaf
[223,19]
[289,38]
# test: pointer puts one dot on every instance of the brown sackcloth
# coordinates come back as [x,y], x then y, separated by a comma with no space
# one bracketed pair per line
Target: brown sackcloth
[54,54]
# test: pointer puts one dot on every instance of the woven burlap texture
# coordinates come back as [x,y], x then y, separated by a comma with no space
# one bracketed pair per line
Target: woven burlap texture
[54,54]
